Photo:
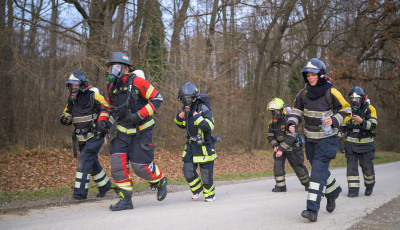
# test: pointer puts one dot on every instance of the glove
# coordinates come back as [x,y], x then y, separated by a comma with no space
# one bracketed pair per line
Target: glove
[66,119]
[102,126]
[133,118]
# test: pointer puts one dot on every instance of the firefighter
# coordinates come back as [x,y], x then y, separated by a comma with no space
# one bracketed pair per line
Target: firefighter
[196,118]
[287,145]
[82,111]
[359,134]
[318,98]
[133,101]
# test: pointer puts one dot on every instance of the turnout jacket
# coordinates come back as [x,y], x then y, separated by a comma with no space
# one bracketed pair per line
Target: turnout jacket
[311,111]
[278,135]
[198,127]
[131,94]
[360,137]
[85,111]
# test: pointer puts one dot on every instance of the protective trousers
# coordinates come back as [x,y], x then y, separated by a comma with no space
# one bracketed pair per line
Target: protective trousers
[204,183]
[367,167]
[89,165]
[296,160]
[322,182]
[137,149]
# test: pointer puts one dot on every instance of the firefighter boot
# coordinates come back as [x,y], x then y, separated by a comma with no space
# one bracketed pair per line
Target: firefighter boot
[331,204]
[279,189]
[103,190]
[352,193]
[368,191]
[161,187]
[125,201]
[310,214]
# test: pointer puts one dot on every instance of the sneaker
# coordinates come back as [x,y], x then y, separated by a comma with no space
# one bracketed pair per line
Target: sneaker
[210,199]
[195,196]
[310,215]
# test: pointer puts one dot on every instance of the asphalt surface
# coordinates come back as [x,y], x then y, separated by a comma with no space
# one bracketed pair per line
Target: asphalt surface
[248,205]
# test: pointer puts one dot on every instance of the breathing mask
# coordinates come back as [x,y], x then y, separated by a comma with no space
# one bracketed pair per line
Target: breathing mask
[355,104]
[188,103]
[116,71]
[276,115]
[73,93]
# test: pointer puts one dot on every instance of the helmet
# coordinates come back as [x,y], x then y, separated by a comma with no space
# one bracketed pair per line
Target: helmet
[118,57]
[313,66]
[357,98]
[78,78]
[188,90]
[275,104]
[116,65]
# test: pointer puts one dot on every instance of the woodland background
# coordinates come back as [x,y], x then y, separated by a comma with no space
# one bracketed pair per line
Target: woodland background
[243,53]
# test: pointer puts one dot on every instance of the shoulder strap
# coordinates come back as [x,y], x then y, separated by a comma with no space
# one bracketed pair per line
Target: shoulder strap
[330,100]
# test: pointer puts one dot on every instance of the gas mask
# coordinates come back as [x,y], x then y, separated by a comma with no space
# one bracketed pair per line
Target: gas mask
[355,104]
[116,71]
[276,115]
[73,93]
[188,104]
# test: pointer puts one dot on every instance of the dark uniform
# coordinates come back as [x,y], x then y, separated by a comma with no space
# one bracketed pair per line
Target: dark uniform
[290,144]
[310,104]
[199,149]
[83,113]
[360,147]
[133,100]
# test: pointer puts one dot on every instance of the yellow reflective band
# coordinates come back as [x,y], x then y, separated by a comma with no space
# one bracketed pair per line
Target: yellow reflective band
[86,185]
[210,124]
[280,178]
[368,181]
[105,104]
[103,182]
[77,184]
[149,92]
[303,177]
[78,175]
[362,140]
[330,179]
[178,122]
[198,120]
[149,109]
[353,178]
[319,135]
[354,185]
[125,186]
[368,177]
[297,112]
[82,138]
[281,184]
[196,187]
[202,159]
[273,142]
[316,114]
[111,120]
[84,118]
[314,186]
[104,114]
[312,196]
[133,130]
[88,177]
[184,151]
[339,118]
[208,190]
[304,180]
[332,188]
[324,190]
[286,147]
[147,124]
[99,175]
[194,181]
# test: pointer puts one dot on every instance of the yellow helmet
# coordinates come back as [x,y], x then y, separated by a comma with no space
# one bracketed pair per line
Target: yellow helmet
[275,104]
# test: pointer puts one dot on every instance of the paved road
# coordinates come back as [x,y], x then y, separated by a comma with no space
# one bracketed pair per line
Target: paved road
[249,205]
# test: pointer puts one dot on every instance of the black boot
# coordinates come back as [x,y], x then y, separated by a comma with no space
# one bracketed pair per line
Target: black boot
[103,191]
[352,194]
[310,214]
[125,201]
[161,187]
[331,204]
[279,189]
[368,191]
[78,197]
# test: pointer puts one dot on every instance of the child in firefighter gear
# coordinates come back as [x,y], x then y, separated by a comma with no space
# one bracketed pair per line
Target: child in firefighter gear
[199,151]
[133,101]
[287,145]
[359,134]
[317,99]
[82,110]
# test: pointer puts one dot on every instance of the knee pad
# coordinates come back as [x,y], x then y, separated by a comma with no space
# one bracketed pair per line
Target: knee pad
[141,170]
[188,170]
[118,166]
[205,178]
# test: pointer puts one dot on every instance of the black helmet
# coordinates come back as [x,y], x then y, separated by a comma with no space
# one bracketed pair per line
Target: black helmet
[78,78]
[118,57]
[188,90]
[313,66]
[357,98]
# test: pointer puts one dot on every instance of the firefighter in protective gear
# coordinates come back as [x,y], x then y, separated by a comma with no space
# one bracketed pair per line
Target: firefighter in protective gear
[316,98]
[287,145]
[82,111]
[359,134]
[196,118]
[133,101]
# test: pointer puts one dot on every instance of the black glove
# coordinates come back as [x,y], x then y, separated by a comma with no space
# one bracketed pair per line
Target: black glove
[102,126]
[66,119]
[133,118]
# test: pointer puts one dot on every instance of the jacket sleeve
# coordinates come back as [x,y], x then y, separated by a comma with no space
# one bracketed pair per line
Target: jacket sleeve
[271,136]
[371,120]
[181,123]
[288,141]
[296,115]
[104,114]
[343,108]
[148,92]
[204,120]
[67,108]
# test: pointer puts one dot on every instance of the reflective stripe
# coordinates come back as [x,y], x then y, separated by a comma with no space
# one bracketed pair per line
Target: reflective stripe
[270,135]
[319,135]
[297,112]
[368,181]
[314,186]
[316,114]
[286,147]
[84,118]
[330,180]
[149,92]
[280,178]
[198,120]
[77,184]
[303,177]
[304,180]
[194,181]
[274,142]
[149,109]
[281,184]
[362,140]
[88,177]
[99,175]
[86,185]
[210,124]
[353,178]
[125,185]
[368,177]
[82,138]
[200,159]
[179,122]
[184,152]
[312,196]
[111,120]
[196,188]
[294,119]
[332,188]
[208,192]
[339,118]
[78,175]
[354,185]
[103,182]
[368,125]
[133,130]
[324,190]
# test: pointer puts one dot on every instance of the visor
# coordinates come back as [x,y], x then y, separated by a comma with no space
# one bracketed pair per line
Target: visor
[116,70]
